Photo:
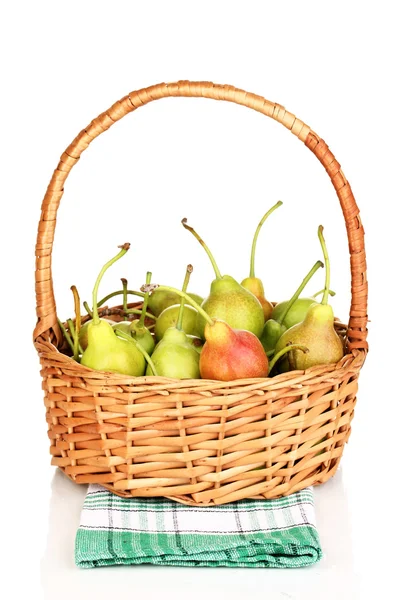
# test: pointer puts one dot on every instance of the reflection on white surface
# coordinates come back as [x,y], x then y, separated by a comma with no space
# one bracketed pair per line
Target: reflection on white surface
[332,577]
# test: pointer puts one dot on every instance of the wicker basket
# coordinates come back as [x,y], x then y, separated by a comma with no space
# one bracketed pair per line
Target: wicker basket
[197,441]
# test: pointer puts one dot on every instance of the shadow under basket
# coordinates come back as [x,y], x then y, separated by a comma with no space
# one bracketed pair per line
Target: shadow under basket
[198,441]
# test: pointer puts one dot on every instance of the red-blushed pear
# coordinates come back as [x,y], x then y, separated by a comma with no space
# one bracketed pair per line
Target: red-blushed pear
[230,354]
[253,283]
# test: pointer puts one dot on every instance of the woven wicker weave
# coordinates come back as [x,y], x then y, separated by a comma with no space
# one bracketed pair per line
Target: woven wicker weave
[198,441]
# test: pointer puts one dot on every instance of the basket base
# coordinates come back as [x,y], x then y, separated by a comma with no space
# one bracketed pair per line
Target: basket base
[309,477]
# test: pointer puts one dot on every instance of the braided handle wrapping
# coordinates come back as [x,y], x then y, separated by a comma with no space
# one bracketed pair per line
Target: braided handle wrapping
[45,302]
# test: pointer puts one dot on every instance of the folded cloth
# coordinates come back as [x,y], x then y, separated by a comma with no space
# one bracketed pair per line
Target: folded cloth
[247,533]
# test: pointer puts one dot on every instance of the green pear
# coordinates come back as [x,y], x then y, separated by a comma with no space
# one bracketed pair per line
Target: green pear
[83,332]
[169,318]
[105,351]
[316,331]
[175,356]
[228,300]
[318,334]
[160,300]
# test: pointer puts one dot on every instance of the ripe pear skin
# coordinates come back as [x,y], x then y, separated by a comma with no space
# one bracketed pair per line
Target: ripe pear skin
[161,299]
[230,302]
[175,357]
[106,352]
[317,333]
[169,318]
[230,354]
[83,332]
[256,287]
[296,314]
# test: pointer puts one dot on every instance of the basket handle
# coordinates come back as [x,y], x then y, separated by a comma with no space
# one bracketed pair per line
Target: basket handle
[45,302]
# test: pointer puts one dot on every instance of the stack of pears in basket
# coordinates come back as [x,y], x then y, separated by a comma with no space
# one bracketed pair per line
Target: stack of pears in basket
[234,333]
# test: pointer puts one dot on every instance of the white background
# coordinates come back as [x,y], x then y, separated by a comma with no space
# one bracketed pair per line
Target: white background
[336,67]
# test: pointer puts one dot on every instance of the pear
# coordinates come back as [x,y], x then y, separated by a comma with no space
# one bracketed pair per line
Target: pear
[316,331]
[122,325]
[105,351]
[230,354]
[229,301]
[160,300]
[175,356]
[83,332]
[169,318]
[296,313]
[275,326]
[253,283]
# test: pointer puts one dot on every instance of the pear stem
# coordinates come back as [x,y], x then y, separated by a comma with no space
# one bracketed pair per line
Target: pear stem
[331,293]
[66,335]
[328,265]
[261,223]
[301,287]
[77,305]
[124,293]
[279,354]
[189,271]
[74,337]
[87,308]
[124,250]
[145,302]
[117,293]
[129,338]
[189,299]
[206,248]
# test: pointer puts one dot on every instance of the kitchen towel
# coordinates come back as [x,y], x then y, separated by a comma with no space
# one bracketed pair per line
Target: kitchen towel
[248,533]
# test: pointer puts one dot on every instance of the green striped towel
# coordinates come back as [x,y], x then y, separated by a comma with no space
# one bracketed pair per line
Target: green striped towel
[248,533]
